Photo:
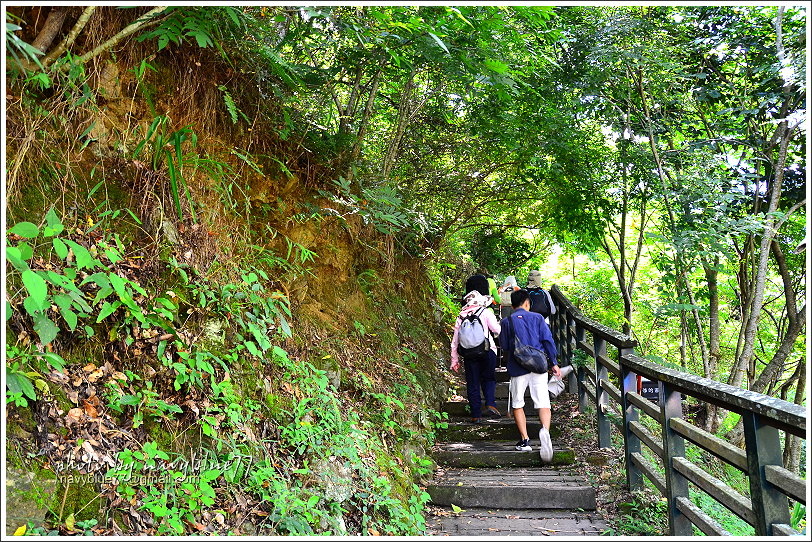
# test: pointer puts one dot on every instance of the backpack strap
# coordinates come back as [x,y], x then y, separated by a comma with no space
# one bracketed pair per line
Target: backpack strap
[485,328]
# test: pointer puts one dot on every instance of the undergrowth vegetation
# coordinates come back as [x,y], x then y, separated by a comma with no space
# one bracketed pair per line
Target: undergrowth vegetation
[194,375]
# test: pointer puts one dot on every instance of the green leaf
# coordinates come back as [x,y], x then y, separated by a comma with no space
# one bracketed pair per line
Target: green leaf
[26,251]
[113,254]
[107,309]
[61,248]
[496,66]
[253,348]
[19,383]
[102,294]
[65,303]
[13,255]
[54,225]
[98,278]
[31,306]
[25,229]
[45,328]
[9,311]
[54,360]
[89,331]
[83,257]
[210,475]
[439,42]
[37,288]
[118,284]
[130,400]
[70,318]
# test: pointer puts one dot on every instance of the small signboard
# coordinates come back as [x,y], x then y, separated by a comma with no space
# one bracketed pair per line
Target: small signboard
[650,389]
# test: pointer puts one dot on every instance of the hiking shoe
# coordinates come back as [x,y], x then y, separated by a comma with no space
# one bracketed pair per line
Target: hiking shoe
[492,412]
[524,445]
[546,449]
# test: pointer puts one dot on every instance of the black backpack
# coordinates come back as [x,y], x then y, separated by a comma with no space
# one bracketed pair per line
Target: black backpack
[541,302]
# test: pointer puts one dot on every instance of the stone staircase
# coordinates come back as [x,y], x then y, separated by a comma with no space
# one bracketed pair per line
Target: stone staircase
[484,487]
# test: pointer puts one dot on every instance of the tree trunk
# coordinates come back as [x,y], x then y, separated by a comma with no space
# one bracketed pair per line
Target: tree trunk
[53,25]
[783,135]
[792,447]
[362,130]
[404,116]
[714,414]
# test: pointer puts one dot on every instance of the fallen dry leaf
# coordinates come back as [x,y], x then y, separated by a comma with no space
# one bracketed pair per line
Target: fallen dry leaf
[86,446]
[89,368]
[74,415]
[90,410]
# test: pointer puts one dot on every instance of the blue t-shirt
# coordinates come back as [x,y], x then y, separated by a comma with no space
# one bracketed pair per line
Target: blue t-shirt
[532,330]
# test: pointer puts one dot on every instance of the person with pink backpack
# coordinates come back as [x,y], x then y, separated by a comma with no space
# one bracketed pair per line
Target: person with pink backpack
[474,332]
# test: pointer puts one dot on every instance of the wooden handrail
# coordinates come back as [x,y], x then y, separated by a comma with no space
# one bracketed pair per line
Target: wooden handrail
[604,332]
[784,415]
[763,417]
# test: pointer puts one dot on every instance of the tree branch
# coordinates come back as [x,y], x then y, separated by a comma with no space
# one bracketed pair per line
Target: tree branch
[70,38]
[146,19]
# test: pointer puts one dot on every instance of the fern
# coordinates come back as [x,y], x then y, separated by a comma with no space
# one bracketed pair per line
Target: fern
[230,105]
[183,23]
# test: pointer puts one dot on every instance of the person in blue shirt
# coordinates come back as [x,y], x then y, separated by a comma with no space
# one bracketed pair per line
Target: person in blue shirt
[532,330]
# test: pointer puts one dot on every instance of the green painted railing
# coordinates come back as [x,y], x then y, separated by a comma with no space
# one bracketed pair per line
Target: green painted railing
[612,387]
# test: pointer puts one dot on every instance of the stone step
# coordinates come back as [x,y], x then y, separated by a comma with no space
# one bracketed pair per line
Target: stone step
[503,428]
[495,454]
[460,408]
[511,488]
[489,522]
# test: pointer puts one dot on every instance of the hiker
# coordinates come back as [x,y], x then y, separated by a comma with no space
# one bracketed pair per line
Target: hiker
[493,291]
[531,331]
[504,296]
[482,284]
[478,282]
[473,340]
[540,300]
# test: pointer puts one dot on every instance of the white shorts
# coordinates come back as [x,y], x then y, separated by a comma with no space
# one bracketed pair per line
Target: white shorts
[538,390]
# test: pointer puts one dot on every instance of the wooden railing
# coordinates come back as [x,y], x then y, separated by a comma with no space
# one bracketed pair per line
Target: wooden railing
[612,387]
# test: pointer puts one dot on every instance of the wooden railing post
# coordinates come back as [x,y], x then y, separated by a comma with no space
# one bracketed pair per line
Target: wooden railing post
[583,399]
[569,322]
[763,447]
[634,477]
[601,396]
[561,336]
[673,446]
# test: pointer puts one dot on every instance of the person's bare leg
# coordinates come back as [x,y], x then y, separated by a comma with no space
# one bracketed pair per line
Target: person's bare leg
[544,417]
[521,422]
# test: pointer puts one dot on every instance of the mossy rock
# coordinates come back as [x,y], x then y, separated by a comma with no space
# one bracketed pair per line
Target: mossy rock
[30,497]
[81,495]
